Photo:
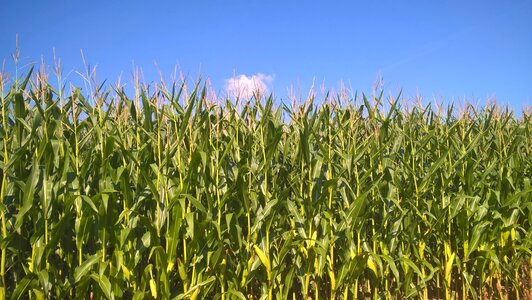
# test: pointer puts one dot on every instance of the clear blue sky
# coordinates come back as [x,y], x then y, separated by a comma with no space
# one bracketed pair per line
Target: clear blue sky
[471,49]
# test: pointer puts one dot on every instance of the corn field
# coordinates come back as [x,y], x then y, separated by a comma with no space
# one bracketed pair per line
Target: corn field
[169,193]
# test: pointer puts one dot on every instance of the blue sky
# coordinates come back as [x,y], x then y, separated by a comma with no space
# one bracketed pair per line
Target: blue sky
[453,50]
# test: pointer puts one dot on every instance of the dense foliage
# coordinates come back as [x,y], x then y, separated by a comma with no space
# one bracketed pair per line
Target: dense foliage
[170,193]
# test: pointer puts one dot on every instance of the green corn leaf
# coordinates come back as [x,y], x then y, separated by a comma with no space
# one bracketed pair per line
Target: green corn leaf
[85,268]
[23,286]
[263,258]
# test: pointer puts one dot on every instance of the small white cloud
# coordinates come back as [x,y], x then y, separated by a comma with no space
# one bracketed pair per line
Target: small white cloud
[243,86]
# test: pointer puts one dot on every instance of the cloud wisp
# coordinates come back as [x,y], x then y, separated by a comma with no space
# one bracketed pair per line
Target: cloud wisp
[243,86]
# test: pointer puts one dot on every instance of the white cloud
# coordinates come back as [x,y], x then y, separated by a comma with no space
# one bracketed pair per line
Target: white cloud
[243,86]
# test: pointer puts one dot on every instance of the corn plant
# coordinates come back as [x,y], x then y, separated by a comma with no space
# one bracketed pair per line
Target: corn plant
[171,192]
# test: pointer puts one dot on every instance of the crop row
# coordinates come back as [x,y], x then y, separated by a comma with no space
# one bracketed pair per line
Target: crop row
[169,193]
